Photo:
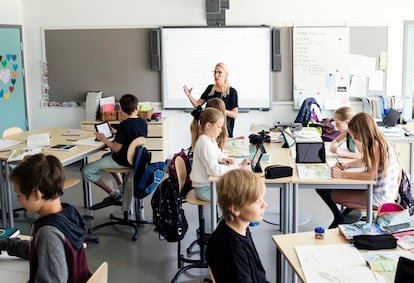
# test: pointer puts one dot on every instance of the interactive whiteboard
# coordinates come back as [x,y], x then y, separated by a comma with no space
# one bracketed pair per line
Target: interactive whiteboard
[189,56]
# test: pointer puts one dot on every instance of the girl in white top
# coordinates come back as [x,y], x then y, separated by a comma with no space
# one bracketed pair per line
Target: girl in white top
[208,160]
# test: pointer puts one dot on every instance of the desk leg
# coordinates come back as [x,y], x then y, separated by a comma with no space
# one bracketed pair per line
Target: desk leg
[9,205]
[295,212]
[369,203]
[282,205]
[281,267]
[3,177]
[286,208]
[87,195]
[213,204]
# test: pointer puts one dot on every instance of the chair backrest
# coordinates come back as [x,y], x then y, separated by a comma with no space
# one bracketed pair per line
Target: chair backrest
[132,149]
[181,172]
[100,275]
[11,131]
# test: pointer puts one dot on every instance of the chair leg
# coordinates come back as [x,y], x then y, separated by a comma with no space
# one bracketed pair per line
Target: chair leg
[202,240]
[124,222]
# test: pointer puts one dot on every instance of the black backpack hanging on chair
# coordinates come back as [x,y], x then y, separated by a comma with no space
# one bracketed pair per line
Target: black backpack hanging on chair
[168,214]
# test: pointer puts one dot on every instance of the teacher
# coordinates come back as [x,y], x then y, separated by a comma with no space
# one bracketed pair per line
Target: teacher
[221,89]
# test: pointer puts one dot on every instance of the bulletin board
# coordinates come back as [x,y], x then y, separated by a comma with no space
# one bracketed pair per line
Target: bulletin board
[320,65]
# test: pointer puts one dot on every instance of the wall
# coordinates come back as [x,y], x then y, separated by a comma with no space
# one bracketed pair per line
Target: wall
[38,14]
[11,12]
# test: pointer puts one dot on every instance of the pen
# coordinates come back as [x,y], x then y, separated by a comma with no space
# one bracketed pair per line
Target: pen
[338,162]
[71,140]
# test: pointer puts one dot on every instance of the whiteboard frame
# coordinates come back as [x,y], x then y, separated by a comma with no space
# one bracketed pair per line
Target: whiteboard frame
[195,69]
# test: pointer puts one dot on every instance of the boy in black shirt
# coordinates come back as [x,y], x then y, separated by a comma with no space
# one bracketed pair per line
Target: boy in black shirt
[231,253]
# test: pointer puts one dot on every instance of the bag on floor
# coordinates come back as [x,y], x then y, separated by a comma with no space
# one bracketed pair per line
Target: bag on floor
[405,199]
[168,214]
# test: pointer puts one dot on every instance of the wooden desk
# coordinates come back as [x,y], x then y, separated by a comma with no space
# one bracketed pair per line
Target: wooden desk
[283,156]
[66,158]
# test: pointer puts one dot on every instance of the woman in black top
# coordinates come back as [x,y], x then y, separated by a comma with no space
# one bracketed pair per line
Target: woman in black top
[221,89]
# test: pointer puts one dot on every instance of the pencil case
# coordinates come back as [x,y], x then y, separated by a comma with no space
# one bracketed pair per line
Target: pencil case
[375,242]
[278,171]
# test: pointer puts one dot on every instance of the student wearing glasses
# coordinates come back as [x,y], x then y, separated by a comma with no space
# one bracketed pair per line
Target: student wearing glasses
[221,89]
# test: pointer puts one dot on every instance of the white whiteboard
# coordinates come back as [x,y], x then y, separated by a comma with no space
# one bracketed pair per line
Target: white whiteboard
[189,56]
[320,65]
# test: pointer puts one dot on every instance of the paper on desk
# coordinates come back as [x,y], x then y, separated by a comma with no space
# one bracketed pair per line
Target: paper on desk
[7,143]
[333,263]
[88,141]
[313,171]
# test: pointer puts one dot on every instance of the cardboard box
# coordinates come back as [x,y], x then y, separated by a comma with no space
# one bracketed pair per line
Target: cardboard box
[145,114]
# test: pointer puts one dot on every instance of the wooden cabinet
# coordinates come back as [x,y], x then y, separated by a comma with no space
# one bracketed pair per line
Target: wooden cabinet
[156,141]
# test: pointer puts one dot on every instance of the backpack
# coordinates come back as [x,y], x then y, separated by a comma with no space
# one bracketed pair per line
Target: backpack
[309,110]
[404,191]
[147,175]
[187,157]
[168,214]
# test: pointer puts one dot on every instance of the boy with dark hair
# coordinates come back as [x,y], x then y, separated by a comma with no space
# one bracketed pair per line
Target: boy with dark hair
[56,251]
[231,253]
[128,130]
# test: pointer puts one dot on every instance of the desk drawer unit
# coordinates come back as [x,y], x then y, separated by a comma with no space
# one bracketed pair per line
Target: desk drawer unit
[156,141]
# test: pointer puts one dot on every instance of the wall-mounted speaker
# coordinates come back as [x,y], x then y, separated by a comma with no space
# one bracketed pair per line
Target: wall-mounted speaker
[155,50]
[276,56]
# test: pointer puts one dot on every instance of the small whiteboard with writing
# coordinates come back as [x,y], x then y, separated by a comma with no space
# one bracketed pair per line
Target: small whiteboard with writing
[320,65]
[189,55]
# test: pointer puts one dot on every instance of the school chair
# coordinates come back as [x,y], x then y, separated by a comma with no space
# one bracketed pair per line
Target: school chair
[138,203]
[201,234]
[100,275]
[11,131]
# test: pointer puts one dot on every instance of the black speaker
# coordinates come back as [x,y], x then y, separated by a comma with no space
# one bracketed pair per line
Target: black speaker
[155,50]
[276,56]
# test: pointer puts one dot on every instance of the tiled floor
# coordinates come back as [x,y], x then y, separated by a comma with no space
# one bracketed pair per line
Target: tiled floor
[150,260]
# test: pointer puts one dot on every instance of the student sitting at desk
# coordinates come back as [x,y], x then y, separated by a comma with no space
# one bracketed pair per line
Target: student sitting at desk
[128,130]
[381,164]
[342,116]
[231,253]
[208,160]
[56,251]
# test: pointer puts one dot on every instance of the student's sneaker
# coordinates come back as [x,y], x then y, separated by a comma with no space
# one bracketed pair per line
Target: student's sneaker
[115,198]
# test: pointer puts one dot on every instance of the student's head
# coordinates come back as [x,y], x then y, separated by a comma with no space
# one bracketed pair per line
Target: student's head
[38,173]
[129,103]
[218,103]
[240,193]
[342,117]
[365,132]
[221,74]
[211,122]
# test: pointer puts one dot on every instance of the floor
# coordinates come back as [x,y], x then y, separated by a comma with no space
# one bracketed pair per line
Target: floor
[150,259]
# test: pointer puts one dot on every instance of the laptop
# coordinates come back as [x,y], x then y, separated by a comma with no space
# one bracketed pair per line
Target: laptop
[255,164]
[391,119]
[104,128]
[288,137]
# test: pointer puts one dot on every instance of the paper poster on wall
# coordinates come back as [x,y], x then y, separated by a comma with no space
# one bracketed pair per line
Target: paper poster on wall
[320,64]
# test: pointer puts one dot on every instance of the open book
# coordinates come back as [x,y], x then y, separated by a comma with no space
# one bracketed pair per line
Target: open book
[333,263]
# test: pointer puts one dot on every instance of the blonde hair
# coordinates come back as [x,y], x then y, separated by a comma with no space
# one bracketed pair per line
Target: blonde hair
[226,87]
[344,113]
[209,115]
[237,188]
[365,130]
[218,103]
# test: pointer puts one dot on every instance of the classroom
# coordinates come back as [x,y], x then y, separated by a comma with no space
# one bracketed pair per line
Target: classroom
[36,16]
